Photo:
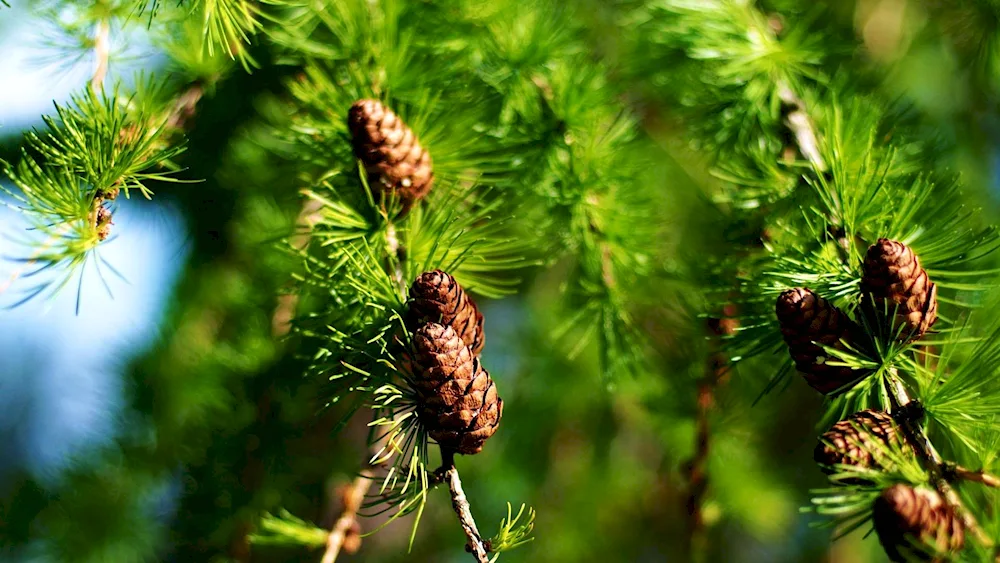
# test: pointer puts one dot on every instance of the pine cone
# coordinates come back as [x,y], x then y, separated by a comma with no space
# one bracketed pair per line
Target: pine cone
[390,151]
[103,222]
[458,401]
[109,194]
[916,525]
[435,297]
[893,280]
[806,318]
[858,440]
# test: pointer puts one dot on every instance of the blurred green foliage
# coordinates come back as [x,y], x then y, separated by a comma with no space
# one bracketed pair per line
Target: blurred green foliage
[632,153]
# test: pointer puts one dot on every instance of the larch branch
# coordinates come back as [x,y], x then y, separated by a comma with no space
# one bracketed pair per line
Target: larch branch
[716,369]
[801,125]
[353,497]
[919,441]
[460,503]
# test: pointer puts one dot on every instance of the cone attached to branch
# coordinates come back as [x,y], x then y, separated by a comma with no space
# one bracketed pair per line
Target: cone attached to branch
[458,400]
[103,222]
[390,151]
[915,524]
[895,282]
[437,298]
[860,440]
[808,321]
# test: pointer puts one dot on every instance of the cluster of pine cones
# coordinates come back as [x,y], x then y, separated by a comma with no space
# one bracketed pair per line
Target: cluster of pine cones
[893,282]
[458,402]
[457,399]
[912,523]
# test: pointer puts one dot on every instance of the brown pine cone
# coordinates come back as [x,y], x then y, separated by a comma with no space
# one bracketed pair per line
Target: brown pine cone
[893,280]
[458,401]
[109,194]
[435,297]
[858,440]
[390,151]
[807,318]
[915,524]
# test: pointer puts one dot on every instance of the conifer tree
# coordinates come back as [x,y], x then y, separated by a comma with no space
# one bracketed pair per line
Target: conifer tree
[365,179]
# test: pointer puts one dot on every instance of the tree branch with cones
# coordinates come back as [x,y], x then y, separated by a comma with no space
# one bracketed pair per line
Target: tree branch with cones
[449,396]
[897,296]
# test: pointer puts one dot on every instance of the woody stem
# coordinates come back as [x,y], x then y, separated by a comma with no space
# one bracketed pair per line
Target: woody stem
[801,126]
[917,437]
[102,53]
[352,503]
[978,476]
[397,254]
[460,503]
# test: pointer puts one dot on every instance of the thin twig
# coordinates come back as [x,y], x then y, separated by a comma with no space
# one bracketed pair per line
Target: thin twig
[184,106]
[798,121]
[353,498]
[102,52]
[976,476]
[397,254]
[476,545]
[359,488]
[716,369]
[803,129]
[281,320]
[918,439]
[697,469]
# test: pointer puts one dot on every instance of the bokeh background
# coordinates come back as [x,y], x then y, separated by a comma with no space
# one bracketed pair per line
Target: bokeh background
[602,464]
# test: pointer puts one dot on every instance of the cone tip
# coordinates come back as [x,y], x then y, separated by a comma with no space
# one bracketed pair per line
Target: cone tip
[433,330]
[429,279]
[885,247]
[789,300]
[431,275]
[365,104]
[360,112]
